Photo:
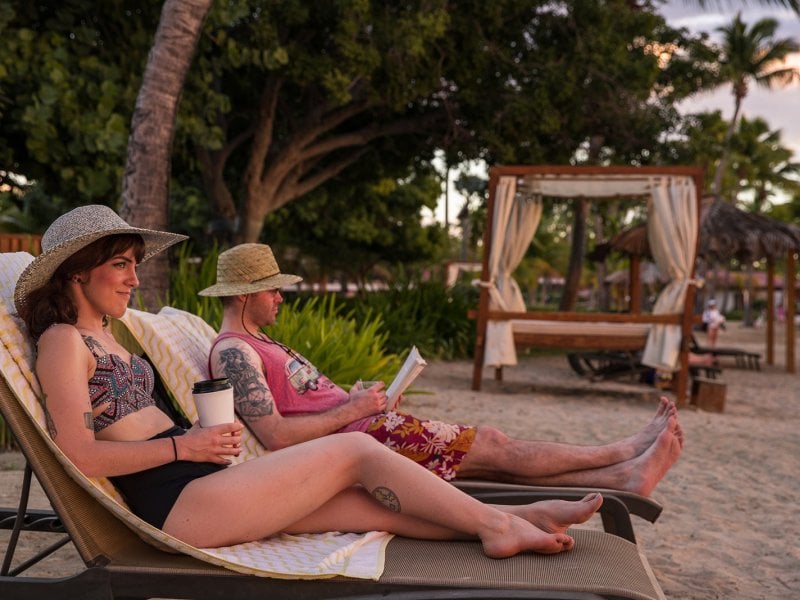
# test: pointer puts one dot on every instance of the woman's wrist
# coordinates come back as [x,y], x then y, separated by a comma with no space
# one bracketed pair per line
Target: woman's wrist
[174,448]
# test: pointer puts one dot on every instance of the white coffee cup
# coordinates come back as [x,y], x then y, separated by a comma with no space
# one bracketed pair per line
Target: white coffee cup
[214,401]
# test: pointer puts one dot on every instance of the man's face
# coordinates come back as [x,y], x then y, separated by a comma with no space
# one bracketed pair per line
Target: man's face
[263,307]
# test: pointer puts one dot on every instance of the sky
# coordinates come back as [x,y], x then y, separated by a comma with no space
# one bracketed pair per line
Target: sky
[779,107]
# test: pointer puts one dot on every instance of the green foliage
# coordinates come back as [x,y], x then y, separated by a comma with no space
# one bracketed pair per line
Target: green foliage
[342,346]
[6,439]
[351,227]
[69,80]
[423,313]
[188,275]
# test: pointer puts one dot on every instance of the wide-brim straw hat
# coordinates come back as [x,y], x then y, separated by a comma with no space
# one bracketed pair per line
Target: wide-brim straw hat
[74,231]
[247,269]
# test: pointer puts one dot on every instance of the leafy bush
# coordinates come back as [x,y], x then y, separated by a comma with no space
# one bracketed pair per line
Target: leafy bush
[189,275]
[426,314]
[339,345]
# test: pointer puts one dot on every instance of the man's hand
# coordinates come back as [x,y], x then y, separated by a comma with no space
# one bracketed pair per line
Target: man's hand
[369,401]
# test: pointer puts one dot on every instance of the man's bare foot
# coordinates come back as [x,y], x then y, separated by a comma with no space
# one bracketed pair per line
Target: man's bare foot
[677,431]
[518,535]
[555,516]
[647,436]
[649,468]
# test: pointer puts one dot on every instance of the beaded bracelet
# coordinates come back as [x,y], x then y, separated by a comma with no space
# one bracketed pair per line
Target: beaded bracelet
[174,447]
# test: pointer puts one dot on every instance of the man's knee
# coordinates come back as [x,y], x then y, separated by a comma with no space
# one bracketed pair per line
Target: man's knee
[489,437]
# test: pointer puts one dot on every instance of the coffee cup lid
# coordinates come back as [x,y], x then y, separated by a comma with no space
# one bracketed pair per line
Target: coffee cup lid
[211,385]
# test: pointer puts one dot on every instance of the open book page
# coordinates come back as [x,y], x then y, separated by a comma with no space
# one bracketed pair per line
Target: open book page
[407,373]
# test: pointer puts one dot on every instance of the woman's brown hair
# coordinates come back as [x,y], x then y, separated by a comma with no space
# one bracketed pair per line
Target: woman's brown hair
[51,303]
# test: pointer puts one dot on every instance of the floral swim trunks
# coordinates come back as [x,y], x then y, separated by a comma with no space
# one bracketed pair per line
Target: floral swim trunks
[437,446]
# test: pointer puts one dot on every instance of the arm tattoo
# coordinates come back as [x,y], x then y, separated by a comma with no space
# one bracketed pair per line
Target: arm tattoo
[251,397]
[88,420]
[387,497]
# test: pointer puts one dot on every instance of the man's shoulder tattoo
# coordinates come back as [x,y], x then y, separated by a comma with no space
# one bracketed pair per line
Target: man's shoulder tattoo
[252,398]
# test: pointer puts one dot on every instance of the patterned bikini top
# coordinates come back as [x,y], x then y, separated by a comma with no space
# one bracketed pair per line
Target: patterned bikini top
[125,388]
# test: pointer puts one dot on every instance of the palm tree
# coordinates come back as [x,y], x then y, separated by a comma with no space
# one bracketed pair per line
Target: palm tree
[762,166]
[751,55]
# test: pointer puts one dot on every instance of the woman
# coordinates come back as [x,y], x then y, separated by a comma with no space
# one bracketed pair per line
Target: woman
[98,399]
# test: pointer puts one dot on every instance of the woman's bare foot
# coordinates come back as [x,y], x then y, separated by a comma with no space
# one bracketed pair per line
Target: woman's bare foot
[555,516]
[514,535]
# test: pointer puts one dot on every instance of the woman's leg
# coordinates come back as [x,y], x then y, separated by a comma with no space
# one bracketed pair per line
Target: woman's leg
[307,488]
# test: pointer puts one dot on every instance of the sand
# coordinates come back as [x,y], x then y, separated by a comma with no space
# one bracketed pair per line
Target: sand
[728,529]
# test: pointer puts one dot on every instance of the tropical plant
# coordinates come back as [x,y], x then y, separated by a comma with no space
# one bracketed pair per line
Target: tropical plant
[424,313]
[751,55]
[340,344]
[763,168]
[188,275]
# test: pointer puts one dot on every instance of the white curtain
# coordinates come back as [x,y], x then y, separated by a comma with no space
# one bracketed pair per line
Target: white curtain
[672,232]
[515,221]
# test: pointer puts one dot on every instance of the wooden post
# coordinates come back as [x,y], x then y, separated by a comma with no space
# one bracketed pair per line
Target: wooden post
[771,310]
[635,283]
[682,383]
[788,301]
[483,300]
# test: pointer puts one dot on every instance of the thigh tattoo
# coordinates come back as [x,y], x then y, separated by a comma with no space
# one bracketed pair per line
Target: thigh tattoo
[387,497]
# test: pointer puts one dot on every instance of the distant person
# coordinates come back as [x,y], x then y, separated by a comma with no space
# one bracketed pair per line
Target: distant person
[713,321]
[780,312]
[285,400]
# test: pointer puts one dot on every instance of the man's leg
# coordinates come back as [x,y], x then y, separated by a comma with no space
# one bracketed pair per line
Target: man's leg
[635,464]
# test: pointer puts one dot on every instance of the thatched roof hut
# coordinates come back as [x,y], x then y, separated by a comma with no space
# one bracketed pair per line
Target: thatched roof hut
[726,233]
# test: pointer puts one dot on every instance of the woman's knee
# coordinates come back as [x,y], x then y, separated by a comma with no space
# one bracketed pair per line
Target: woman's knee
[359,443]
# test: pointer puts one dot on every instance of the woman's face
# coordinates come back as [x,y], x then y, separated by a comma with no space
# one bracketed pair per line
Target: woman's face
[107,287]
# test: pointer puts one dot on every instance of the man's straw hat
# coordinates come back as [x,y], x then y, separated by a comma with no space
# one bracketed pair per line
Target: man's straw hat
[247,269]
[74,231]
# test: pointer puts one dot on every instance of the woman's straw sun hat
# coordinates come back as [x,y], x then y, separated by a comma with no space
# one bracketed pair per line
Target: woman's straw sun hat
[74,231]
[247,269]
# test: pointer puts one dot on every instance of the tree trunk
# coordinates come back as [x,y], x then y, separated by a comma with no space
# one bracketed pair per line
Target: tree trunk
[603,291]
[747,317]
[726,149]
[145,185]
[573,279]
[578,245]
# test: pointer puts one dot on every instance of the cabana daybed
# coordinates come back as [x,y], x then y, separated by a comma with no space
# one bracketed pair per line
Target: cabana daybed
[516,194]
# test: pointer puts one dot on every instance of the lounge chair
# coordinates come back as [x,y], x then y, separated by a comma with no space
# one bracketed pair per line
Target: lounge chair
[126,558]
[743,358]
[605,365]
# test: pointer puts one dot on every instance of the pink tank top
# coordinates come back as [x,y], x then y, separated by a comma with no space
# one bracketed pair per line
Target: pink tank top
[296,385]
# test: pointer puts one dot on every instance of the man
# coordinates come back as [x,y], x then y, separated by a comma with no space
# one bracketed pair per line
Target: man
[284,400]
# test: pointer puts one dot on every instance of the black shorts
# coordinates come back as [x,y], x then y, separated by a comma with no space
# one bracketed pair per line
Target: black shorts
[151,494]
